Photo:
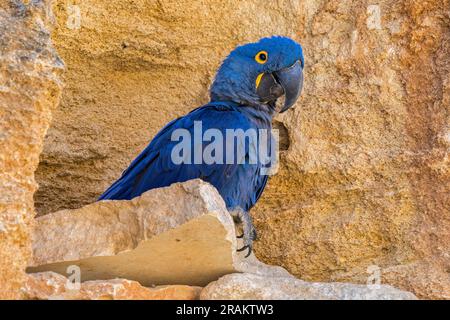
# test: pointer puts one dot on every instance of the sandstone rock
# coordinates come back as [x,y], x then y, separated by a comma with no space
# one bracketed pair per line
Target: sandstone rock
[244,286]
[365,180]
[53,286]
[426,279]
[364,169]
[29,91]
[181,234]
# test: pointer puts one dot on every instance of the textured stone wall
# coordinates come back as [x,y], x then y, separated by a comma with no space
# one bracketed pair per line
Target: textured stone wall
[29,90]
[364,179]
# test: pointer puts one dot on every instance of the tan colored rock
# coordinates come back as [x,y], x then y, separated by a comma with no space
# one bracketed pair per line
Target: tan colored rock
[181,234]
[424,278]
[366,179]
[44,285]
[244,286]
[53,286]
[364,176]
[29,91]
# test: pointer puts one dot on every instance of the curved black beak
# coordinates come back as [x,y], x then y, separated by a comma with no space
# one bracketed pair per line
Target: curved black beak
[287,82]
[291,79]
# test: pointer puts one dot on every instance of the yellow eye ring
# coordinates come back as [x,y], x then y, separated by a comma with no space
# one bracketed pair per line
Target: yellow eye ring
[261,57]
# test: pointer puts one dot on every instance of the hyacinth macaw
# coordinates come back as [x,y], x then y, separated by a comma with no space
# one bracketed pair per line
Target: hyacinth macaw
[254,82]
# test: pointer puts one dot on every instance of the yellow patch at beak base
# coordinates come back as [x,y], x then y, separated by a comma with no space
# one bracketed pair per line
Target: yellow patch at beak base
[258,79]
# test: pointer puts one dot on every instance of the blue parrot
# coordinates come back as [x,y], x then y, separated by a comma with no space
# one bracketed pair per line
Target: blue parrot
[254,82]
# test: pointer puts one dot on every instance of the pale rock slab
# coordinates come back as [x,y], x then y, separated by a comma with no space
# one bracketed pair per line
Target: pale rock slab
[181,234]
[244,286]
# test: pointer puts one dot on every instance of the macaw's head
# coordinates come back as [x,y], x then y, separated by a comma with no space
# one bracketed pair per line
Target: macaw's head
[268,72]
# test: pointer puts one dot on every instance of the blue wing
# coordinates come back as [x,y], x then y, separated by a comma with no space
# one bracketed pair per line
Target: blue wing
[239,184]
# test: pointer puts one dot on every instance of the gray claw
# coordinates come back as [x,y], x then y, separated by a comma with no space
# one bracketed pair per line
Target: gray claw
[242,249]
[246,247]
[249,234]
[254,234]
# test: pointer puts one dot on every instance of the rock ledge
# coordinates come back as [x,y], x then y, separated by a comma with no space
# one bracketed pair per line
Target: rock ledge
[181,234]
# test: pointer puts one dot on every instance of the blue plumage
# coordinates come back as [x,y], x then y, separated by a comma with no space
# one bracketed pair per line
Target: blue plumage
[244,96]
[240,185]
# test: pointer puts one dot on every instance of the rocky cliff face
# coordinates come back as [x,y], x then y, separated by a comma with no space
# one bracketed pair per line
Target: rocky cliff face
[364,176]
[29,90]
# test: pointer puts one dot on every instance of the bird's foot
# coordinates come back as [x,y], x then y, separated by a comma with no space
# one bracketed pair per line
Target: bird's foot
[249,232]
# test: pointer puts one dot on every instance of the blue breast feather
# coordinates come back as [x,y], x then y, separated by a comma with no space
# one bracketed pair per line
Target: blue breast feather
[240,185]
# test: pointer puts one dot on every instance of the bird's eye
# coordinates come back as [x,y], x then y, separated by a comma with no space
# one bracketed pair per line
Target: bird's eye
[261,57]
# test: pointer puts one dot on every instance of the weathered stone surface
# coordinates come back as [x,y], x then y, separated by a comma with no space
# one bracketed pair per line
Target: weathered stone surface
[29,90]
[425,278]
[53,286]
[364,176]
[244,286]
[181,234]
